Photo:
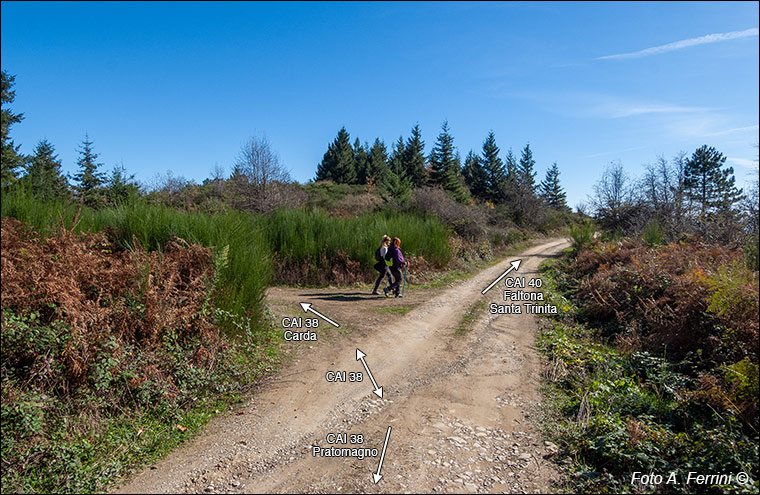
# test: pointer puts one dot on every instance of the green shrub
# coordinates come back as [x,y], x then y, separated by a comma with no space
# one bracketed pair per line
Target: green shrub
[653,234]
[581,234]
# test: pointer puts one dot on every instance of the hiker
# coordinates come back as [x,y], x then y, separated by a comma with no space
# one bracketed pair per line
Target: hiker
[394,254]
[380,266]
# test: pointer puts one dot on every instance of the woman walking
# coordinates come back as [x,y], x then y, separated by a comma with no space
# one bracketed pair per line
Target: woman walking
[380,266]
[394,254]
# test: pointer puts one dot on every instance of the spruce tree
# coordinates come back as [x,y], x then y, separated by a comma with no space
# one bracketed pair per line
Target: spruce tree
[445,165]
[88,178]
[377,163]
[396,161]
[511,163]
[414,159]
[44,175]
[494,169]
[475,176]
[551,191]
[120,185]
[338,162]
[526,175]
[10,159]
[708,184]
[360,162]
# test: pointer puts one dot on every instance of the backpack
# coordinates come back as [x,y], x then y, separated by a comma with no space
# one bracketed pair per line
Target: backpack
[378,256]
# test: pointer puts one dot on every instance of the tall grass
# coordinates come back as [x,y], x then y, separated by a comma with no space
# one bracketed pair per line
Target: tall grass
[243,279]
[294,235]
[300,235]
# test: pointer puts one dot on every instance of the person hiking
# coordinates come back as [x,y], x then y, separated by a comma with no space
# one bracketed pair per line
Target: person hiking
[380,266]
[394,254]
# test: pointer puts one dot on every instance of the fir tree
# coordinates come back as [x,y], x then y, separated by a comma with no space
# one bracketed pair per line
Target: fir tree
[445,165]
[414,159]
[526,175]
[377,166]
[511,164]
[552,192]
[44,175]
[396,161]
[361,162]
[494,169]
[708,184]
[120,185]
[10,159]
[338,162]
[475,176]
[88,178]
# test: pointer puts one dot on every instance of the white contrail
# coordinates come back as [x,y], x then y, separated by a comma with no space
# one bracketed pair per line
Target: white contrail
[678,45]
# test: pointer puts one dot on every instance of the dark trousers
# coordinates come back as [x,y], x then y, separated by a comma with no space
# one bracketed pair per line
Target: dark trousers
[383,273]
[396,285]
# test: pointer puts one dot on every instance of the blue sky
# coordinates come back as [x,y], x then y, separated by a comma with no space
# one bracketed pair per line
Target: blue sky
[180,86]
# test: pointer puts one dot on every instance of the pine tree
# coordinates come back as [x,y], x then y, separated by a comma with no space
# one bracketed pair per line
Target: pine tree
[708,185]
[475,176]
[526,175]
[377,166]
[88,178]
[361,162]
[44,173]
[338,162]
[446,167]
[10,159]
[552,192]
[494,169]
[414,159]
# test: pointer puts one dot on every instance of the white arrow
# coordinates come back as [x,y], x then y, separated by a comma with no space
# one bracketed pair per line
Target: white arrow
[514,266]
[378,390]
[307,307]
[377,476]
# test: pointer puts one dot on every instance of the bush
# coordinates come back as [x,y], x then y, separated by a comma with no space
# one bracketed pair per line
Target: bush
[615,409]
[653,234]
[581,234]
[467,221]
[99,343]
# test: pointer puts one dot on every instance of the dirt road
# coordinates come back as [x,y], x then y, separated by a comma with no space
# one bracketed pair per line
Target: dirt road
[459,406]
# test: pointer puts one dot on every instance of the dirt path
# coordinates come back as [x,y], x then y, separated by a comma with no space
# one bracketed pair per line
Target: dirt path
[459,405]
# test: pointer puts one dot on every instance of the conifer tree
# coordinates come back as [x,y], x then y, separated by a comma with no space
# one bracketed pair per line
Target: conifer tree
[44,173]
[446,167]
[708,184]
[120,185]
[396,161]
[414,159]
[10,159]
[526,175]
[89,179]
[475,176]
[551,191]
[338,162]
[360,162]
[377,162]
[511,165]
[494,169]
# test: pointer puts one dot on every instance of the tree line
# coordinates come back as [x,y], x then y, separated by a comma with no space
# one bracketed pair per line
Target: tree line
[484,177]
[690,194]
[41,172]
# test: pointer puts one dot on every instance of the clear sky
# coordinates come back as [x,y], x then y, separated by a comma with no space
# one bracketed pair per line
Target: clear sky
[180,86]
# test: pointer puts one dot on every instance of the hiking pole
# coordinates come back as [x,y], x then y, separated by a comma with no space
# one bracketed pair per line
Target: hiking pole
[403,289]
